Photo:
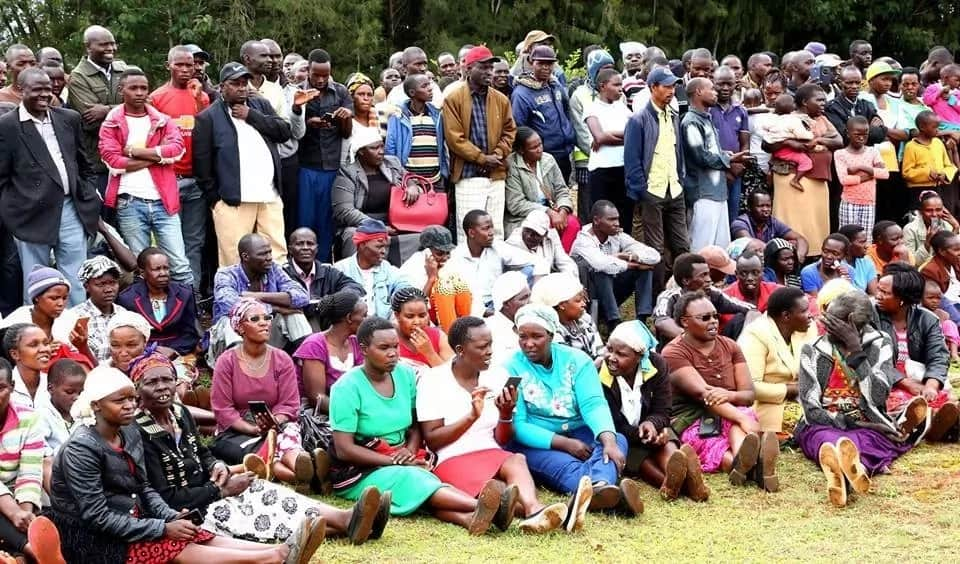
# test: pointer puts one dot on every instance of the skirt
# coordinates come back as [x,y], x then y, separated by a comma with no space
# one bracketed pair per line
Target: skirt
[807,212]
[411,487]
[469,472]
[877,452]
[711,449]
[264,513]
[162,551]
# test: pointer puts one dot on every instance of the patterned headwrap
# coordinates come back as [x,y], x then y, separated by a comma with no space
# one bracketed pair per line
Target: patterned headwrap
[240,310]
[357,80]
[596,60]
[95,268]
[540,315]
[147,361]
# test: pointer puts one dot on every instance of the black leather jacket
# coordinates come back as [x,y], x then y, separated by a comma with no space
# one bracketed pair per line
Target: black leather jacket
[925,341]
[92,483]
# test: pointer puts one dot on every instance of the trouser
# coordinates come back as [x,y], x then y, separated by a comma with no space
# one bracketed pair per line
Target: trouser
[193,225]
[565,164]
[11,277]
[290,192]
[69,252]
[12,539]
[561,472]
[233,222]
[139,219]
[709,224]
[609,184]
[733,197]
[584,199]
[664,229]
[316,207]
[480,193]
[611,290]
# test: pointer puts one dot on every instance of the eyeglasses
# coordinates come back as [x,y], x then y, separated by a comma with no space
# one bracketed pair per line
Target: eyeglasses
[258,318]
[705,317]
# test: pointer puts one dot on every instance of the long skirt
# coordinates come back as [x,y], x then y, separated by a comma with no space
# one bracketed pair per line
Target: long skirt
[877,452]
[265,513]
[807,212]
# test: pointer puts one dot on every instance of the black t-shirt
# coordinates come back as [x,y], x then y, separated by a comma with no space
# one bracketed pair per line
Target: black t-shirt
[378,196]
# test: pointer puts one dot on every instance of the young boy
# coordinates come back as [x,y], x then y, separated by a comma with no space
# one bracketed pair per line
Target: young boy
[789,126]
[858,168]
[926,165]
[65,380]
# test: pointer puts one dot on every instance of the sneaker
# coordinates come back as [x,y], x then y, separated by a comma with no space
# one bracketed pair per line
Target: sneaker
[578,505]
[674,477]
[605,496]
[850,465]
[944,420]
[253,463]
[630,502]
[695,487]
[44,539]
[914,414]
[383,516]
[488,502]
[508,506]
[313,538]
[547,519]
[745,459]
[364,514]
[766,469]
[830,464]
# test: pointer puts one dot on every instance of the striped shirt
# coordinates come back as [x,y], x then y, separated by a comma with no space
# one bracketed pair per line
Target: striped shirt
[424,153]
[21,455]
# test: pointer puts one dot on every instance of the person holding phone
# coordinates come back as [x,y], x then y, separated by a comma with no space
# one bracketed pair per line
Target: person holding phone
[421,344]
[465,408]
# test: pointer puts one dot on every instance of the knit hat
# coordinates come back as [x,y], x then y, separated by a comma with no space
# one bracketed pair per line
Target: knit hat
[42,278]
[596,61]
[773,248]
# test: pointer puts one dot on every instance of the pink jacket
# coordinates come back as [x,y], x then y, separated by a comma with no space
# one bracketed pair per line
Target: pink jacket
[943,109]
[164,134]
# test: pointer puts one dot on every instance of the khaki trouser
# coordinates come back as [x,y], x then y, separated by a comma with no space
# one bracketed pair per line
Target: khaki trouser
[233,222]
[480,194]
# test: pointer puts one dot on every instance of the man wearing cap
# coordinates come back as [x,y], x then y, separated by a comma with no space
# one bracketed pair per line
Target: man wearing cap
[536,236]
[100,277]
[368,267]
[540,102]
[182,98]
[94,89]
[201,60]
[478,128]
[317,278]
[237,165]
[523,64]
[654,169]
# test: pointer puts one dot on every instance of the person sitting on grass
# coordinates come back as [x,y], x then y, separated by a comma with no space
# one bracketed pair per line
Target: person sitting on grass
[862,272]
[781,264]
[26,346]
[759,223]
[562,423]
[465,410]
[932,297]
[421,344]
[844,383]
[636,385]
[376,443]
[510,293]
[713,398]
[568,298]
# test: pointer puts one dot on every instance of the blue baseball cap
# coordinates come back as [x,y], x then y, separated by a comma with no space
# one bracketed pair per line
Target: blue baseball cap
[661,75]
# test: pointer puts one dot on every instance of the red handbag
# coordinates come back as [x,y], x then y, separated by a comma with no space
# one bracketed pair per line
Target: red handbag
[429,209]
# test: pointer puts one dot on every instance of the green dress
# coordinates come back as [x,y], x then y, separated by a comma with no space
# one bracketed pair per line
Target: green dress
[356,407]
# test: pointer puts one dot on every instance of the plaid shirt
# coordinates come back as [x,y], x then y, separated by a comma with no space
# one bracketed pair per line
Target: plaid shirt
[478,132]
[97,337]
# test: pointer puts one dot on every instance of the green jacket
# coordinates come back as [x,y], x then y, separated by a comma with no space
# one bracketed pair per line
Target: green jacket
[89,87]
[524,192]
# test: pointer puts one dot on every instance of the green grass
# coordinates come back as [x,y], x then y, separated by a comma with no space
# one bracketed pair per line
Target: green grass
[907,516]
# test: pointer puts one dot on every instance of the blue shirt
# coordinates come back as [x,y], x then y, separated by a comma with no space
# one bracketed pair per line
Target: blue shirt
[774,229]
[231,281]
[862,273]
[383,281]
[810,280]
[729,124]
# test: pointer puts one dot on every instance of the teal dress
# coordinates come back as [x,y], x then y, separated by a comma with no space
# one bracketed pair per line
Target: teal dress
[356,407]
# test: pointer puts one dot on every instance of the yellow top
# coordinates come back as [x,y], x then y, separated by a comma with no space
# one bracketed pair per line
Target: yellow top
[920,160]
[663,181]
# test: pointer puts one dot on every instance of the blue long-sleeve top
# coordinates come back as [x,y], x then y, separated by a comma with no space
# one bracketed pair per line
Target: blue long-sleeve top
[559,399]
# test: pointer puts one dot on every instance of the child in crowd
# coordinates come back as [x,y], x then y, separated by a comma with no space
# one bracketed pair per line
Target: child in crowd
[858,169]
[64,382]
[931,301]
[926,164]
[789,126]
[753,102]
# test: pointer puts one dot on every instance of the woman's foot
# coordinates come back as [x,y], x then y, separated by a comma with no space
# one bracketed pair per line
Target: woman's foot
[44,539]
[488,502]
[694,485]
[944,420]
[674,476]
[508,504]
[547,519]
[364,514]
[303,468]
[382,517]
[630,502]
[271,453]
[253,463]
[605,496]
[914,414]
[745,459]
[851,466]
[313,535]
[578,505]
[765,471]
[321,464]
[830,464]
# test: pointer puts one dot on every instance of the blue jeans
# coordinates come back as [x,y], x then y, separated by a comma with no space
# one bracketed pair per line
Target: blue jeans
[611,290]
[70,252]
[561,472]
[193,224]
[138,219]
[733,200]
[316,207]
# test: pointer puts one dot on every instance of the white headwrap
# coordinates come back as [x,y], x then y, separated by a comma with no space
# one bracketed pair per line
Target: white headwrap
[126,318]
[100,383]
[538,221]
[537,314]
[555,288]
[508,285]
[363,137]
[629,47]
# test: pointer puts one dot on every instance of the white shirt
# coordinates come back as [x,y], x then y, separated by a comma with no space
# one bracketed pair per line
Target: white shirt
[758,123]
[550,251]
[414,269]
[441,397]
[368,275]
[62,325]
[631,399]
[138,184]
[612,117]
[953,290]
[397,96]
[21,395]
[481,272]
[505,341]
[45,129]
[256,165]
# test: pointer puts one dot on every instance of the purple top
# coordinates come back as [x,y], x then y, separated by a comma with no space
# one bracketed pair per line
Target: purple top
[772,230]
[231,281]
[233,389]
[314,347]
[729,124]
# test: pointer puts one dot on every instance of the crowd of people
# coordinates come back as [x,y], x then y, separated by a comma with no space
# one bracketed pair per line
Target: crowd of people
[443,289]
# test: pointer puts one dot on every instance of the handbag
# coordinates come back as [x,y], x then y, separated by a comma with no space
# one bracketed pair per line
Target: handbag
[429,209]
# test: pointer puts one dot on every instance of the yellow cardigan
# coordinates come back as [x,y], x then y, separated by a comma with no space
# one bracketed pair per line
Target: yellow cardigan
[920,160]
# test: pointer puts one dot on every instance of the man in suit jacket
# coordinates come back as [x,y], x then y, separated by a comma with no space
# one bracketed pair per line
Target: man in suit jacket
[237,166]
[48,198]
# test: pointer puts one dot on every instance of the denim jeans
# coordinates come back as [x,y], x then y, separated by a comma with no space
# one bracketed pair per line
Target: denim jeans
[561,472]
[193,224]
[733,198]
[138,219]
[69,252]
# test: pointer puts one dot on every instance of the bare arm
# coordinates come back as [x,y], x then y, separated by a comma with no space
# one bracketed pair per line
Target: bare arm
[315,384]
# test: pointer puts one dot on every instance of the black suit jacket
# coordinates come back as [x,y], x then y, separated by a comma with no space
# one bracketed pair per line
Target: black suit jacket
[31,190]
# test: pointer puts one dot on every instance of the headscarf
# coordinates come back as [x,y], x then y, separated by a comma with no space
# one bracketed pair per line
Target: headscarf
[363,137]
[100,383]
[832,289]
[148,361]
[635,335]
[538,315]
[95,268]
[506,286]
[240,310]
[555,288]
[630,47]
[596,61]
[369,230]
[126,318]
[736,247]
[357,80]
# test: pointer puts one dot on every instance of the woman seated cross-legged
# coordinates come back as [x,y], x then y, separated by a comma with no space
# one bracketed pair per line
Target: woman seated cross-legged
[376,443]
[713,395]
[562,423]
[465,408]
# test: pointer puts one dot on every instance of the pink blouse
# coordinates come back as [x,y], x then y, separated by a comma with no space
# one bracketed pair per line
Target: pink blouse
[233,389]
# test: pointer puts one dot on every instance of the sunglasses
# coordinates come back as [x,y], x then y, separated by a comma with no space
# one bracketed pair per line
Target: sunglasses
[705,317]
[258,318]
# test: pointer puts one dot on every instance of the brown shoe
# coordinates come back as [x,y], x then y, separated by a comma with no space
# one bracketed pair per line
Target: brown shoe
[943,421]
[303,468]
[578,505]
[830,464]
[915,414]
[674,477]
[508,507]
[487,504]
[745,459]
[605,496]
[630,502]
[851,466]
[253,463]
[696,488]
[312,539]
[766,473]
[321,464]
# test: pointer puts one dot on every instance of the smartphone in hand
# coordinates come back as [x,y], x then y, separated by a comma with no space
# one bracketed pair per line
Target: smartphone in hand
[260,409]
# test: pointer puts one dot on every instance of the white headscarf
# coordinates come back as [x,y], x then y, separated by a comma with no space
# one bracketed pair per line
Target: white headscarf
[363,137]
[555,288]
[538,315]
[508,285]
[126,318]
[629,47]
[100,383]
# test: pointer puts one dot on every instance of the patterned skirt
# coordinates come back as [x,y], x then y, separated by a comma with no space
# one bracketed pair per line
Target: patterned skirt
[162,551]
[265,513]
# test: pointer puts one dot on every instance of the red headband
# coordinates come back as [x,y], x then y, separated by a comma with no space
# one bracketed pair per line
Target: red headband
[359,238]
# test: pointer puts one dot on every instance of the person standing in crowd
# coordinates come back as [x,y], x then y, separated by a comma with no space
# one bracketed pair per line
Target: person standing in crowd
[237,165]
[758,66]
[182,98]
[414,61]
[881,77]
[595,60]
[48,194]
[733,132]
[927,165]
[18,57]
[295,98]
[447,65]
[858,169]
[255,56]
[479,129]
[606,118]
[415,133]
[329,120]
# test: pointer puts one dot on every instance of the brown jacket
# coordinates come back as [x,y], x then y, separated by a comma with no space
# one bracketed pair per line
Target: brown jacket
[457,108]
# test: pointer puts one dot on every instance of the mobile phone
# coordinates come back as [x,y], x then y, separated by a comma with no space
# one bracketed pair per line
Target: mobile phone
[194,517]
[513,382]
[709,426]
[260,408]
[329,116]
[83,322]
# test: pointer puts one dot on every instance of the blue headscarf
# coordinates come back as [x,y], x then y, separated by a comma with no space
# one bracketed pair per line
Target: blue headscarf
[596,61]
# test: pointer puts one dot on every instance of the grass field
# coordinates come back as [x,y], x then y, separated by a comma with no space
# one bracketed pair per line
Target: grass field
[909,516]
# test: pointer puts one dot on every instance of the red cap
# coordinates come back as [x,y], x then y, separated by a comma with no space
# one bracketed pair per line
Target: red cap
[479,54]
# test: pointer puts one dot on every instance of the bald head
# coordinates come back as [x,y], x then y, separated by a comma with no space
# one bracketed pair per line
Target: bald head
[49,54]
[414,61]
[100,44]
